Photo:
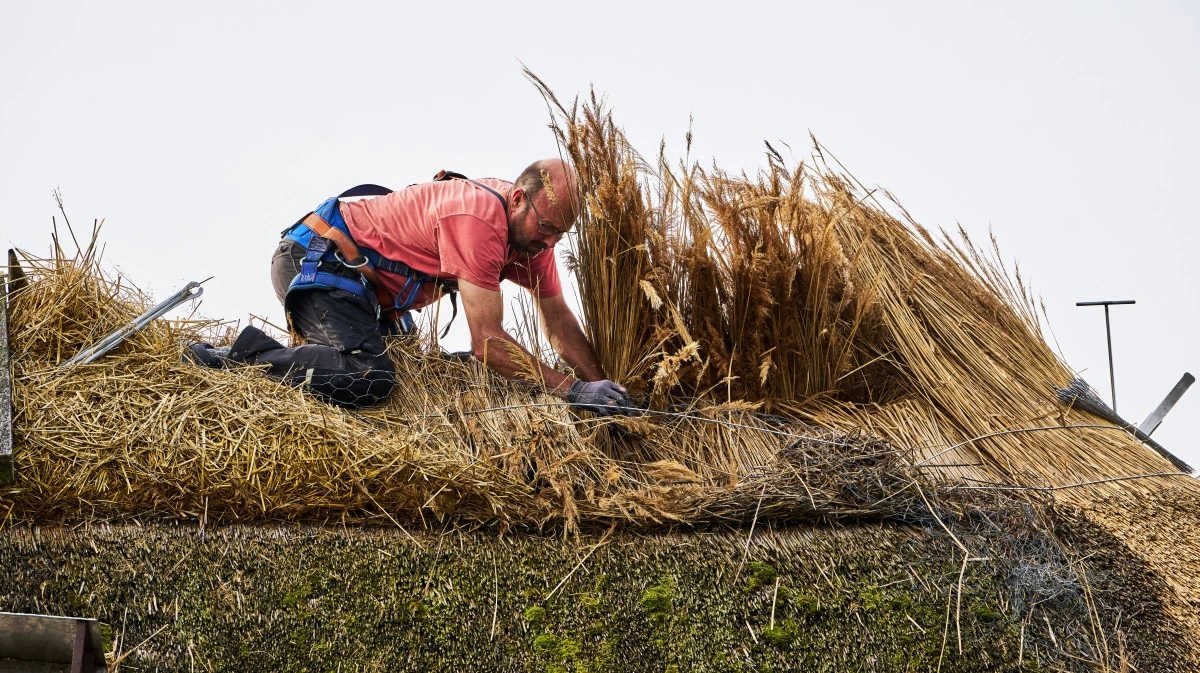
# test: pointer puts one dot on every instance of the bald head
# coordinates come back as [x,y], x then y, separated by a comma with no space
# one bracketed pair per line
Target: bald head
[555,180]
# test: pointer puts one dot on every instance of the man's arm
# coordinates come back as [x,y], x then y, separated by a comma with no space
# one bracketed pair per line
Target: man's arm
[492,345]
[567,338]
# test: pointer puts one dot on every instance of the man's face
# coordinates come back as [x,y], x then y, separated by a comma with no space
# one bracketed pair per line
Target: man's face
[536,227]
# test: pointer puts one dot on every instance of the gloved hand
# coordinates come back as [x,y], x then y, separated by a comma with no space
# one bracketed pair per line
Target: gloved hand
[600,397]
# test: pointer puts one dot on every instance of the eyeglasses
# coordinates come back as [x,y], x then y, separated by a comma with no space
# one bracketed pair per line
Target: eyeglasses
[544,227]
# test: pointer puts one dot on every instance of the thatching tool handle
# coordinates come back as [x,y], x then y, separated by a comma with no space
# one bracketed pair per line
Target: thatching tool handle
[1112,377]
[190,291]
[1152,421]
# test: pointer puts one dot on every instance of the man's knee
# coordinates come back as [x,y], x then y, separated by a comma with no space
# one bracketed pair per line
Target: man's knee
[364,382]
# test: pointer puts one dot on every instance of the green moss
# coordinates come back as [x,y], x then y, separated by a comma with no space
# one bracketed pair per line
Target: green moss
[985,613]
[760,575]
[417,609]
[560,653]
[658,600]
[782,636]
[545,645]
[106,637]
[371,600]
[568,648]
[590,601]
[296,594]
[805,604]
[870,598]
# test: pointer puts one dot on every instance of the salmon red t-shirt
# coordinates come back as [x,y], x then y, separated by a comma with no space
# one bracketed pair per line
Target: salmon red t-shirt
[451,229]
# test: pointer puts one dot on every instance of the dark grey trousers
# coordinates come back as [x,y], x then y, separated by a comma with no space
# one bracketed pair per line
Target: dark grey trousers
[343,361]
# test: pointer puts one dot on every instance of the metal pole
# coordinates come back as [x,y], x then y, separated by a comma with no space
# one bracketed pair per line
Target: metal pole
[1112,377]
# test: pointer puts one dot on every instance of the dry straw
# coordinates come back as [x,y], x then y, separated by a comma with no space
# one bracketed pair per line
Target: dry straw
[776,325]
[142,433]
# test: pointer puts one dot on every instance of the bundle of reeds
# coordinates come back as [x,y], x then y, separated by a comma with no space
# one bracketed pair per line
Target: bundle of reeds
[805,293]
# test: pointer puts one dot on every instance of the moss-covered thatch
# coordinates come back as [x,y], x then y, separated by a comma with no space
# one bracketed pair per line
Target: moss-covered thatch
[859,598]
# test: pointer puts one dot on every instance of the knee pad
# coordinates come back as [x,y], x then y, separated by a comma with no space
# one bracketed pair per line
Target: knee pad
[350,389]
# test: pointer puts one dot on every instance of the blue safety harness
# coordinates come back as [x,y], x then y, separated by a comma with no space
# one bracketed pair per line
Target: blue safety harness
[393,313]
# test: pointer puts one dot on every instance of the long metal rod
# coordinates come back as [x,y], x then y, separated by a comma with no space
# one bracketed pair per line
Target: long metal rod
[6,437]
[190,291]
[1112,376]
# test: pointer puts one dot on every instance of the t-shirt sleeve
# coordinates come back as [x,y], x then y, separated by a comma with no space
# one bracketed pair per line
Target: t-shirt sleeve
[470,249]
[539,274]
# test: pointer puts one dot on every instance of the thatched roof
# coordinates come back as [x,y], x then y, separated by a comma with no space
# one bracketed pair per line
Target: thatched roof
[806,352]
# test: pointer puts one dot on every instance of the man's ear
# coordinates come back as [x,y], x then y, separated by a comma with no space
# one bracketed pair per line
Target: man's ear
[515,197]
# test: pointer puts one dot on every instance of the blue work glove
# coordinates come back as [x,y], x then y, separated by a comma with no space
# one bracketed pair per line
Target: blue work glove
[599,397]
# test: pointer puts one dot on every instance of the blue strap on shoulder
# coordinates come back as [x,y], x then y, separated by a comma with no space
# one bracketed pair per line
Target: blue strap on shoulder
[316,249]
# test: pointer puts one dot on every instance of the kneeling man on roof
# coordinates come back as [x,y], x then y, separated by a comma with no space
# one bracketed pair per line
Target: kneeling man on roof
[350,272]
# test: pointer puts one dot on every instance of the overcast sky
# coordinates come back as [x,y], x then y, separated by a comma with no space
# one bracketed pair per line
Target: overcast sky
[198,131]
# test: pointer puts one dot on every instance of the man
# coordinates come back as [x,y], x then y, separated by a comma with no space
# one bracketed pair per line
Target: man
[354,268]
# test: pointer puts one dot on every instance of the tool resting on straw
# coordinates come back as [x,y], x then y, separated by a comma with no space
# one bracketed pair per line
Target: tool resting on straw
[91,353]
[1081,396]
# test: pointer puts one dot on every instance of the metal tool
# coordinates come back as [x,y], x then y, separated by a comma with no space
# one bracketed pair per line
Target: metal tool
[190,291]
[1081,396]
[1149,425]
[1112,380]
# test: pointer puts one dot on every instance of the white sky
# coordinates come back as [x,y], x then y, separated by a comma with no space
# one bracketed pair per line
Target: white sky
[198,131]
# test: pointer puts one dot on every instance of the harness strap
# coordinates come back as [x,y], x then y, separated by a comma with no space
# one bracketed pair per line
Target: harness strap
[351,256]
[365,190]
[331,281]
[451,175]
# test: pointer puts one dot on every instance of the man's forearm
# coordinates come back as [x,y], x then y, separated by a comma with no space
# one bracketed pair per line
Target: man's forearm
[568,340]
[503,355]
[572,345]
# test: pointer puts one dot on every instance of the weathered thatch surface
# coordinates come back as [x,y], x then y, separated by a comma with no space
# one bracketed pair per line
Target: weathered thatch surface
[1160,530]
[864,597]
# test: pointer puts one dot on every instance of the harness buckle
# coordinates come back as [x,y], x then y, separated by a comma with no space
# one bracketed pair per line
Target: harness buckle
[337,254]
